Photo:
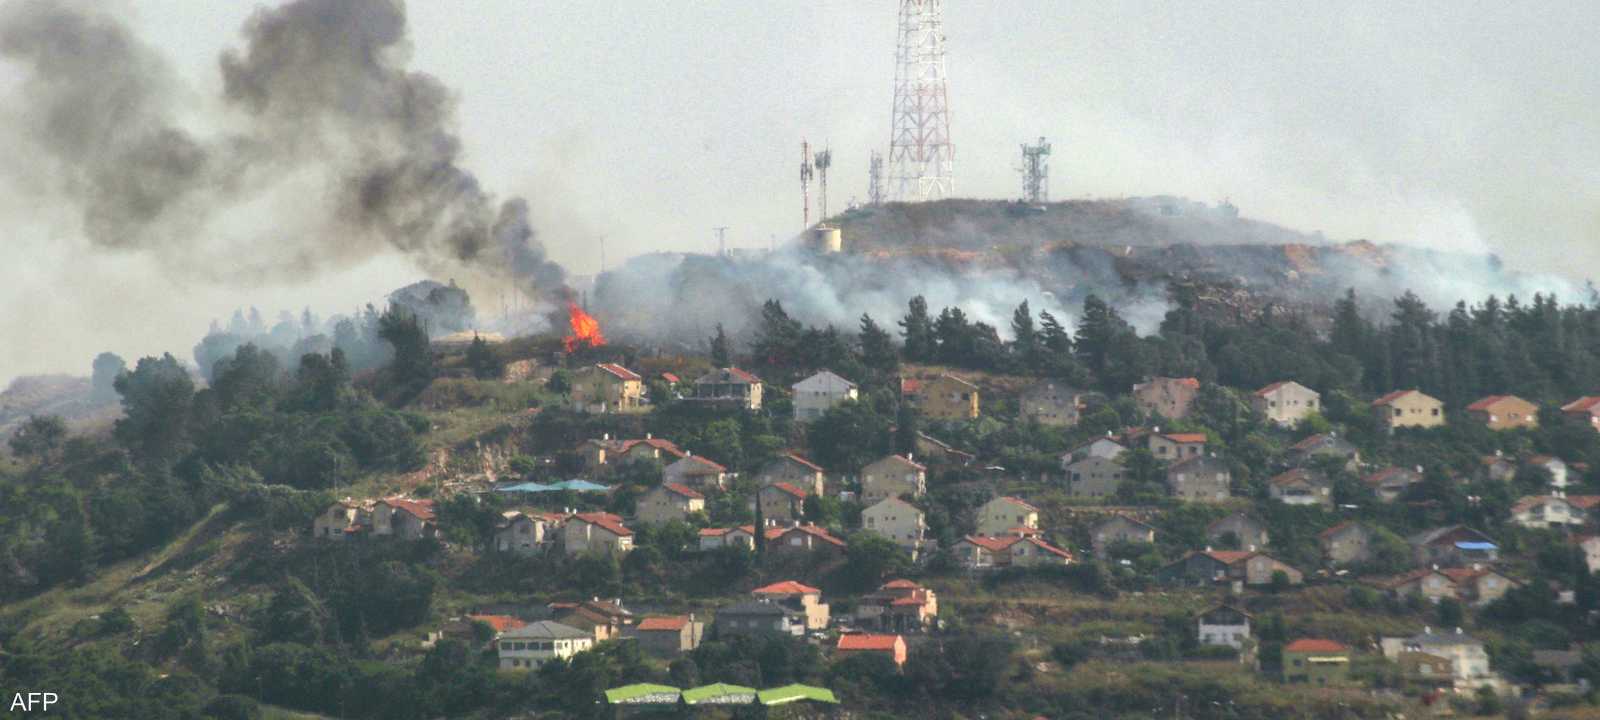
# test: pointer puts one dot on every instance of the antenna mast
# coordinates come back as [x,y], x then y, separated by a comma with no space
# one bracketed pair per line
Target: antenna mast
[805,182]
[921,156]
[822,161]
[875,179]
[722,240]
[1036,172]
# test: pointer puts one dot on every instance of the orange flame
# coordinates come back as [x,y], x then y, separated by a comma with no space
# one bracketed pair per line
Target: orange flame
[585,329]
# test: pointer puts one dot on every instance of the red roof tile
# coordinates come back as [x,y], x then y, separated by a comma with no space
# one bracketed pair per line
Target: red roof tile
[1315,645]
[423,509]
[1585,404]
[611,523]
[787,587]
[683,490]
[619,371]
[900,584]
[1484,403]
[863,641]
[1019,501]
[1391,397]
[1583,502]
[812,530]
[500,623]
[670,377]
[705,464]
[1186,437]
[663,624]
[1274,386]
[796,458]
[790,489]
[1229,557]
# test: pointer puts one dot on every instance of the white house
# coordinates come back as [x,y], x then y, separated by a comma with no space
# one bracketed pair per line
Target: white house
[896,520]
[537,643]
[1469,660]
[1224,625]
[1002,515]
[814,395]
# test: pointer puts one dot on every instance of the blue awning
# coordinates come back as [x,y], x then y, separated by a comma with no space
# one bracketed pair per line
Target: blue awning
[1477,546]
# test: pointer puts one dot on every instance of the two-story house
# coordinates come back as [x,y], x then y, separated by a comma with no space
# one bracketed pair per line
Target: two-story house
[945,397]
[1206,478]
[668,636]
[976,552]
[729,386]
[1168,397]
[1346,543]
[1408,409]
[782,502]
[535,644]
[893,476]
[1452,545]
[606,388]
[898,521]
[403,518]
[1050,402]
[898,606]
[668,502]
[525,533]
[1388,484]
[799,597]
[817,394]
[597,531]
[696,472]
[1238,531]
[758,618]
[1119,529]
[1301,486]
[1325,445]
[791,468]
[1286,402]
[1314,661]
[1224,625]
[1584,411]
[1504,412]
[1003,515]
[1095,477]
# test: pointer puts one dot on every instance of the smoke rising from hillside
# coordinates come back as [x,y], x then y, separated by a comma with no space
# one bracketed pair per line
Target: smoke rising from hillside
[324,129]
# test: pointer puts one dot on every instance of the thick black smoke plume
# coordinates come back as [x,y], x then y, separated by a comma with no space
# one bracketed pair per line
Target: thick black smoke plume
[323,115]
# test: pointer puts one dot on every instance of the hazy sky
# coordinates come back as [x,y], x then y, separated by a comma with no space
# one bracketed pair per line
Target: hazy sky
[1454,124]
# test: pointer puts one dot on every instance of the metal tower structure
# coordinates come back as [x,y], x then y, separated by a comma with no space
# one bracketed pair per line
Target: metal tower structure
[722,240]
[805,182]
[822,161]
[921,157]
[875,179]
[1036,172]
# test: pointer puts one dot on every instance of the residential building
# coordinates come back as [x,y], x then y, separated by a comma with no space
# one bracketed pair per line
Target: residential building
[1224,625]
[798,597]
[1469,660]
[782,502]
[898,521]
[649,449]
[1590,545]
[403,518]
[340,520]
[791,468]
[1301,486]
[893,476]
[1095,477]
[1479,585]
[598,531]
[981,552]
[668,636]
[1584,410]
[945,397]
[696,472]
[1498,468]
[606,388]
[1176,447]
[938,452]
[1002,515]
[817,394]
[1347,543]
[1238,531]
[758,617]
[890,646]
[603,619]
[741,537]
[1409,408]
[1455,545]
[898,606]
[1286,403]
[1427,583]
[537,643]
[1420,669]
[809,539]
[524,533]
[1119,529]
[1050,402]
[1106,447]
[1388,484]
[729,386]
[668,502]
[1206,478]
[1168,397]
[1212,566]
[1314,661]
[1325,445]
[1555,468]
[1546,511]
[1504,412]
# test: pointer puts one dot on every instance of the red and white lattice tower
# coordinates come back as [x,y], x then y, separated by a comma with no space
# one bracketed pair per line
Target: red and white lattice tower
[921,157]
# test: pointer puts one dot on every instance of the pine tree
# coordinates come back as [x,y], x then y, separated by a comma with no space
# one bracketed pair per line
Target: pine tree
[917,329]
[1025,340]
[721,353]
[877,347]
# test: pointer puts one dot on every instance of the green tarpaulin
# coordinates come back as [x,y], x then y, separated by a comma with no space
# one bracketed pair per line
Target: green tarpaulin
[796,693]
[720,694]
[643,694]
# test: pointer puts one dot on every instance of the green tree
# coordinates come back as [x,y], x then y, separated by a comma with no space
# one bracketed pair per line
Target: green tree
[877,348]
[412,367]
[40,437]
[483,361]
[721,351]
[156,399]
[848,435]
[917,329]
[107,366]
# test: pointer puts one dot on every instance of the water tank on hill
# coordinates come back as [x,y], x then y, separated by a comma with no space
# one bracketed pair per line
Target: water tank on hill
[827,239]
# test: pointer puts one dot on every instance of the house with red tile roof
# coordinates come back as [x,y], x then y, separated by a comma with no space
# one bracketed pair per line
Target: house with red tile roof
[606,388]
[1479,585]
[792,468]
[799,597]
[1504,412]
[1176,447]
[1427,583]
[697,472]
[1206,567]
[945,397]
[668,636]
[668,502]
[525,533]
[403,518]
[1390,483]
[898,606]
[1346,543]
[1168,397]
[890,646]
[892,476]
[1325,445]
[982,552]
[1546,511]
[1584,410]
[740,537]
[599,532]
[1301,486]
[804,539]
[1286,402]
[1313,661]
[1409,408]
[499,623]
[782,501]
[1002,514]
[729,386]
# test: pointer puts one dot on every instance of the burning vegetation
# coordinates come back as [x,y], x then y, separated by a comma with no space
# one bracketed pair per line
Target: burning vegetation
[585,329]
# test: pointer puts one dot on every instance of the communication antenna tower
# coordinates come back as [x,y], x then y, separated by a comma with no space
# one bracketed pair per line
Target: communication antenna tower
[1036,172]
[921,156]
[875,179]
[822,161]
[805,182]
[722,240]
